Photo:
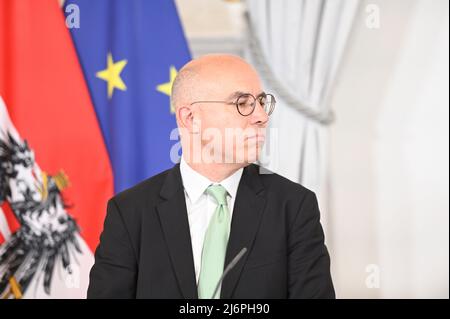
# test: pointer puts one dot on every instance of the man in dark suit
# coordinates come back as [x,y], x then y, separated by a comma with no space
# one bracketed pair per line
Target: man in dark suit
[172,235]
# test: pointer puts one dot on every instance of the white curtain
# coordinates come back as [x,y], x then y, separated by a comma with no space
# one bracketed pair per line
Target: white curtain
[297,46]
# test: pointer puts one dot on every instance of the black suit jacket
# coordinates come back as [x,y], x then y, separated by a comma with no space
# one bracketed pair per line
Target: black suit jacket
[145,247]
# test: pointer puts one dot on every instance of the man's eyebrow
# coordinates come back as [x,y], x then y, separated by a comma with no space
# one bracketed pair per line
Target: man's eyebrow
[237,94]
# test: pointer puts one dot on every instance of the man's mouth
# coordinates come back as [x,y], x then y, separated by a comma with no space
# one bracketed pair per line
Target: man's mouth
[257,138]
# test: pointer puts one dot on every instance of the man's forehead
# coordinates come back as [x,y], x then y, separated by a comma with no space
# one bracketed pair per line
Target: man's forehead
[229,85]
[234,82]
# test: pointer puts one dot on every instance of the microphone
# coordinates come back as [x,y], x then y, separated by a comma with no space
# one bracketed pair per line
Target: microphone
[228,268]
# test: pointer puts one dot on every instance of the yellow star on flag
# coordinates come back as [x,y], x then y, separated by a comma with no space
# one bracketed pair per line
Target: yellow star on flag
[166,88]
[112,75]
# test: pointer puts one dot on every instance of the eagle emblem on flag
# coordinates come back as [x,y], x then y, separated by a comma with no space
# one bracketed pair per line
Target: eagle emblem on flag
[46,233]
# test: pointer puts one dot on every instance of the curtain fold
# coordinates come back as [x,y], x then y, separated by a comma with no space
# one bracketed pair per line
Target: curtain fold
[297,47]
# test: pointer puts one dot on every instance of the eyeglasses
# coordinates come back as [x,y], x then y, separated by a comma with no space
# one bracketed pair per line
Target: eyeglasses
[246,103]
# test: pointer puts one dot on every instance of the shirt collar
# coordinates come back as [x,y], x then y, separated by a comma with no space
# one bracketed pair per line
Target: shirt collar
[195,184]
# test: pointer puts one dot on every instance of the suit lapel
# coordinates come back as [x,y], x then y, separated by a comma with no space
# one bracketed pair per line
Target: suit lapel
[247,212]
[175,225]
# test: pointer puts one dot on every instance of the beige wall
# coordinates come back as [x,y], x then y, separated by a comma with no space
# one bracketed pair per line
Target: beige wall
[389,154]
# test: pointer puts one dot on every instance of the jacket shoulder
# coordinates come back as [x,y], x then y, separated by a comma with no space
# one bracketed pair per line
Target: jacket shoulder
[147,190]
[281,186]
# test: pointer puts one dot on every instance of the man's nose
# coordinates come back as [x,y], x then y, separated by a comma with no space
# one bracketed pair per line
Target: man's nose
[259,115]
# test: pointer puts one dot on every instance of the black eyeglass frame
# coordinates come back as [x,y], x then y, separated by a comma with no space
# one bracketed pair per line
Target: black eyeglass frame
[246,95]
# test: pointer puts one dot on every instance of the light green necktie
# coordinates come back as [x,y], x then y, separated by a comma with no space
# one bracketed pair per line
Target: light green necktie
[214,245]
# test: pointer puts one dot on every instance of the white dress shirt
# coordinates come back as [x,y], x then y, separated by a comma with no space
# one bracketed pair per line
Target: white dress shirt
[201,206]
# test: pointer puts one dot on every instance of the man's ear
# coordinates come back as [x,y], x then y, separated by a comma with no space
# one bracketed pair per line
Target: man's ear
[187,120]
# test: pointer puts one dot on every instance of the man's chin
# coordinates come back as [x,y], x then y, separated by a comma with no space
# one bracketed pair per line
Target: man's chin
[243,161]
[252,156]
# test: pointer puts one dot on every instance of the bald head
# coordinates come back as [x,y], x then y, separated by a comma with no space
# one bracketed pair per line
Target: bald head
[208,73]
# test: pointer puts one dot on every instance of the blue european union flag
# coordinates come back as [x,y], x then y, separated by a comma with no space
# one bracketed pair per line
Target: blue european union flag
[129,51]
